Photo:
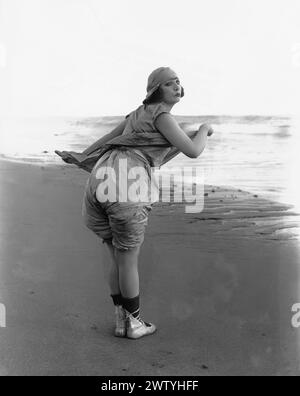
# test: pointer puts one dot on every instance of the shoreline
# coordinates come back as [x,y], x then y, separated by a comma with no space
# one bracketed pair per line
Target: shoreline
[224,280]
[59,165]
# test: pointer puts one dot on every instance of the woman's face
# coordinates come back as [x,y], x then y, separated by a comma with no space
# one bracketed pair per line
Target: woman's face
[171,91]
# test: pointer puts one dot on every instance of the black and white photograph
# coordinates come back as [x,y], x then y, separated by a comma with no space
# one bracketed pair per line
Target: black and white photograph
[149,190]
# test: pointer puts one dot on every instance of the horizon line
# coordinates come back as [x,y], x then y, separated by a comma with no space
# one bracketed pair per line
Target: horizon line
[175,115]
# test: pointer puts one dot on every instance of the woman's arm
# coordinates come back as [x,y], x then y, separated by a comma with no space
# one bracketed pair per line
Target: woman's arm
[106,138]
[190,134]
[175,151]
[192,148]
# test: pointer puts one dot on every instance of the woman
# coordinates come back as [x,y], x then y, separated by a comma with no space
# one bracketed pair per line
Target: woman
[148,137]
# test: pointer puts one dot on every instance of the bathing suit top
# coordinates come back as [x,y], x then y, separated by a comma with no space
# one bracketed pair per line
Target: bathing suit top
[141,136]
[141,122]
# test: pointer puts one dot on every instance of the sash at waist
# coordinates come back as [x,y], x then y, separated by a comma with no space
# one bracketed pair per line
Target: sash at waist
[133,150]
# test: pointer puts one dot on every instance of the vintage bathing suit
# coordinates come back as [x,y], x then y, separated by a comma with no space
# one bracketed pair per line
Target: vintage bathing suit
[142,145]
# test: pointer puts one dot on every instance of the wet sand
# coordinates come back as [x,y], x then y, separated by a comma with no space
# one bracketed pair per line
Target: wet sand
[219,284]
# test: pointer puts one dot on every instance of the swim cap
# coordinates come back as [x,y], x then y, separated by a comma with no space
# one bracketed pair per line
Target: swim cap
[157,77]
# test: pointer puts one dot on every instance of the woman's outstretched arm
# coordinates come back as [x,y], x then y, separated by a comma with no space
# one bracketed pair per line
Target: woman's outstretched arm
[106,138]
[191,147]
[175,151]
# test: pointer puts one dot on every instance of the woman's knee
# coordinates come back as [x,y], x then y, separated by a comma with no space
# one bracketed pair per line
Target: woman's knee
[128,254]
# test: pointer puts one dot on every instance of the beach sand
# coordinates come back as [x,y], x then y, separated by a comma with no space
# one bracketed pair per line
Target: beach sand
[219,284]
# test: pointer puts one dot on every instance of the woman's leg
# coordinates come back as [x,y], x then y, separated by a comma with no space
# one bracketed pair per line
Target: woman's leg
[123,278]
[129,285]
[122,272]
[113,280]
[127,262]
[111,270]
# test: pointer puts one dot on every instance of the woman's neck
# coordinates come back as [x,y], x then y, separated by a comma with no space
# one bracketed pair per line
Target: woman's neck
[168,105]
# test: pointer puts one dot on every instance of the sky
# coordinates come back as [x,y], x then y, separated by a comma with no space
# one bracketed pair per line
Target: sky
[93,57]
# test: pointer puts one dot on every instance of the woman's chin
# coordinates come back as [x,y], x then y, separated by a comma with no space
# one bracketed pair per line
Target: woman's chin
[174,100]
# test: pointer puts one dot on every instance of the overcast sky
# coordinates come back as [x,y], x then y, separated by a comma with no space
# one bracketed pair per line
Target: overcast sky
[93,57]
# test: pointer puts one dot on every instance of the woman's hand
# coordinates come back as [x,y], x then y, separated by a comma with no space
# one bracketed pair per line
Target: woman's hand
[211,131]
[206,128]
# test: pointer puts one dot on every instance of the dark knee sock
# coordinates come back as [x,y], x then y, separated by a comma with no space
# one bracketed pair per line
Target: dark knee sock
[132,305]
[117,299]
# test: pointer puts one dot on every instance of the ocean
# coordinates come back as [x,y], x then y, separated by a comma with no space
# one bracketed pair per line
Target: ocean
[259,154]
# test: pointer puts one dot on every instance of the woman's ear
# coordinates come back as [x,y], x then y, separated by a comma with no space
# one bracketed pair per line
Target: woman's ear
[182,92]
